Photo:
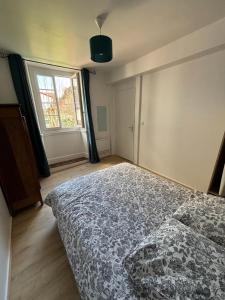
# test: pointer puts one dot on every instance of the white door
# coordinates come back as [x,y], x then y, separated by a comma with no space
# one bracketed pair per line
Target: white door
[124,117]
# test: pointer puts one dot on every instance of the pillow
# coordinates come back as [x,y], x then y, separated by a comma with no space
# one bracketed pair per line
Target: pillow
[206,215]
[177,263]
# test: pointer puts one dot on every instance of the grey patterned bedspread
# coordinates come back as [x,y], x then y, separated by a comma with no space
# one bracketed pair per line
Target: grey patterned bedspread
[102,216]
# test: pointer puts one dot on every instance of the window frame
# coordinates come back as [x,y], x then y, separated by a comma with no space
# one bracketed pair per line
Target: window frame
[34,71]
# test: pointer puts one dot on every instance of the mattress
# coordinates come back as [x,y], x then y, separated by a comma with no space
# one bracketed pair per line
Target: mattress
[102,216]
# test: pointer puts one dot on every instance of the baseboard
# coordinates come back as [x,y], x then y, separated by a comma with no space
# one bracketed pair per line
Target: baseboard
[104,153]
[53,160]
[67,166]
[166,177]
[86,155]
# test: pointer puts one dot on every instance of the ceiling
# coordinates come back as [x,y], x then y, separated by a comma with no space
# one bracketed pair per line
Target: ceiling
[58,31]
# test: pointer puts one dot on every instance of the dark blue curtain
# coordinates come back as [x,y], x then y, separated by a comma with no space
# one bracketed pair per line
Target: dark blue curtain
[92,148]
[18,73]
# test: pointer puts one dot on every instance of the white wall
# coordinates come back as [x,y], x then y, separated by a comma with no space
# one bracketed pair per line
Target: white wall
[61,146]
[7,95]
[101,95]
[183,117]
[7,92]
[5,244]
[198,43]
[180,91]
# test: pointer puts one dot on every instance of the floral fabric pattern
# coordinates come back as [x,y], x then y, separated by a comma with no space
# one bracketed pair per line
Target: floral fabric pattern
[102,216]
[206,215]
[175,262]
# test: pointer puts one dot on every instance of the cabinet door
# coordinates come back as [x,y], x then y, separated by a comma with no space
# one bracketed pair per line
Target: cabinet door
[11,183]
[18,170]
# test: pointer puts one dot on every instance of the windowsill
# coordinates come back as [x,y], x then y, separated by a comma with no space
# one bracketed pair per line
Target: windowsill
[63,131]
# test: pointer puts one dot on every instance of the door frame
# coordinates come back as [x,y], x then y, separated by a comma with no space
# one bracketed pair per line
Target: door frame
[137,116]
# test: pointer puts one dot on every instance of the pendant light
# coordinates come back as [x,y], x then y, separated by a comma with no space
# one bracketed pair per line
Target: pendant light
[101,45]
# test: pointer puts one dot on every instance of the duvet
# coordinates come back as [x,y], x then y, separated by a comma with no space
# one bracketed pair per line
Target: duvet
[102,216]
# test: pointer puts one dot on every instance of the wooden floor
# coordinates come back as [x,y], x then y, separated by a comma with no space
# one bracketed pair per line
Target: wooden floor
[40,269]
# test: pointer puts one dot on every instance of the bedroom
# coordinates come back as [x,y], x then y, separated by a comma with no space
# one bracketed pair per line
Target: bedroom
[158,105]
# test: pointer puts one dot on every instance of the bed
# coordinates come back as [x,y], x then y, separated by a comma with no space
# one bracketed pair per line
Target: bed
[102,216]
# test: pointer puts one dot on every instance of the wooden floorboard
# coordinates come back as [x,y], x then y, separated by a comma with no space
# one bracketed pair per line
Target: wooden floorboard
[40,269]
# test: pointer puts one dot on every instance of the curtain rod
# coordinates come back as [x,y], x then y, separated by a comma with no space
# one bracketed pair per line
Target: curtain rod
[5,54]
[39,62]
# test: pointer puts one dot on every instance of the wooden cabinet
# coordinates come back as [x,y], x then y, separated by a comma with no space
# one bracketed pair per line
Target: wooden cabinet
[18,172]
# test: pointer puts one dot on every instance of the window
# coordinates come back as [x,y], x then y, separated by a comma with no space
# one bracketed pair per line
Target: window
[60,100]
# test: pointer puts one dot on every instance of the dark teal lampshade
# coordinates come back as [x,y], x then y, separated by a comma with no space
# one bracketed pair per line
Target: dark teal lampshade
[101,48]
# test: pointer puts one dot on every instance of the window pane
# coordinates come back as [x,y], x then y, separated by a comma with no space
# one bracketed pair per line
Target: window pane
[45,82]
[48,101]
[51,121]
[66,102]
